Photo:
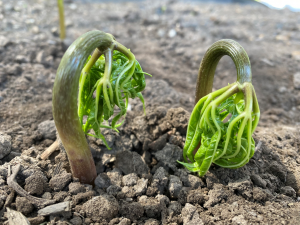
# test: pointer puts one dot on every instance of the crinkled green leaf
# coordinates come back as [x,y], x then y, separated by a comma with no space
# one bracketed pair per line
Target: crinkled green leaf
[130,86]
[214,135]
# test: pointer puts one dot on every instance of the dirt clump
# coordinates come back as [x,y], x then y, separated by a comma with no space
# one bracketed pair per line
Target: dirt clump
[23,205]
[131,162]
[101,207]
[75,188]
[35,184]
[132,211]
[60,181]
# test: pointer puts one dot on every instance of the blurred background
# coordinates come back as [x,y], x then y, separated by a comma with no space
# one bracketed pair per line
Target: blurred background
[293,5]
[169,38]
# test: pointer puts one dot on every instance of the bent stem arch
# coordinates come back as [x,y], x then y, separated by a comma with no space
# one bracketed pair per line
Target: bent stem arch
[229,143]
[211,59]
[66,113]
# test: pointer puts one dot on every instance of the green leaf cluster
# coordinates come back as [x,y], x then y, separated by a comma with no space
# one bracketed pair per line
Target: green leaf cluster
[224,125]
[109,101]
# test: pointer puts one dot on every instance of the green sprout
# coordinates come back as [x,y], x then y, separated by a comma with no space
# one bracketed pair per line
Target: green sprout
[222,121]
[106,80]
[114,77]
[62,33]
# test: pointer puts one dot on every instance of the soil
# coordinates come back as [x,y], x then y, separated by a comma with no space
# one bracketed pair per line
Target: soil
[139,180]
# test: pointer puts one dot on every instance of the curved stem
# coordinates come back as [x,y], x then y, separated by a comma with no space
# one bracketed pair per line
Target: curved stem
[209,64]
[215,104]
[256,111]
[98,92]
[228,134]
[248,151]
[248,109]
[95,56]
[64,102]
[121,48]
[106,77]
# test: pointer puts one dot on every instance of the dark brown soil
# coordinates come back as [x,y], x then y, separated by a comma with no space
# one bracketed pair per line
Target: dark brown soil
[139,180]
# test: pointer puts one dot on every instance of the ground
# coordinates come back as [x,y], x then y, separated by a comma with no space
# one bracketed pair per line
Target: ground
[169,39]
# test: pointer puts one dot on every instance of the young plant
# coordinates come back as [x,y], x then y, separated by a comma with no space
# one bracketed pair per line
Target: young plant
[222,121]
[62,28]
[110,76]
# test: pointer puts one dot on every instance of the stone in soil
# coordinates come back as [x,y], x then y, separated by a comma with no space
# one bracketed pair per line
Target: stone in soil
[163,199]
[131,162]
[47,129]
[168,157]
[47,195]
[159,144]
[152,222]
[76,220]
[159,182]
[297,80]
[5,145]
[257,180]
[102,181]
[124,221]
[288,191]
[3,41]
[130,179]
[175,186]
[140,187]
[59,208]
[113,190]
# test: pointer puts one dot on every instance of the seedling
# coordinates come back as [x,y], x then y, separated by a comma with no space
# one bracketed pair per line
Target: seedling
[109,78]
[62,28]
[222,121]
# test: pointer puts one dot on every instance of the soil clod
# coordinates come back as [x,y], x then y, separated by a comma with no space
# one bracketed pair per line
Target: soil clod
[11,181]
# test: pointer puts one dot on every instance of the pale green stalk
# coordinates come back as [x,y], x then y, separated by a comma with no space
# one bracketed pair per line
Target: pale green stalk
[62,33]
